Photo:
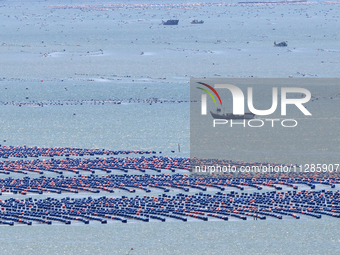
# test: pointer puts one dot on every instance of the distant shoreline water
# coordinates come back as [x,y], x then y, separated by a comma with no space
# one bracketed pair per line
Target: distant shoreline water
[53,54]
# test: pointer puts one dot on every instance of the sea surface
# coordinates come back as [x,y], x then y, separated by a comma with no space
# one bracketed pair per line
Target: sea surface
[106,74]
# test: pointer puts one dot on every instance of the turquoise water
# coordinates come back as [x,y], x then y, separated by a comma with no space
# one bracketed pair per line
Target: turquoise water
[125,54]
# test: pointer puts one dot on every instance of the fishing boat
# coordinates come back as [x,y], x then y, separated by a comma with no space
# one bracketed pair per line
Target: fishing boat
[230,116]
[195,21]
[281,44]
[170,22]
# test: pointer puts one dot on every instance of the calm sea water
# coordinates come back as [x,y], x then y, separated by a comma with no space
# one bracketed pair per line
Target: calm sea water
[54,54]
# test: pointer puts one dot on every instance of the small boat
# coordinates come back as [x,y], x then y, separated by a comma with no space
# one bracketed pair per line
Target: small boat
[195,21]
[230,116]
[170,22]
[281,44]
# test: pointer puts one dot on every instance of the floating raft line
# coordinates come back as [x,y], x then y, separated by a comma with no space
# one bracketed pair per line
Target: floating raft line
[130,183]
[34,152]
[204,207]
[107,165]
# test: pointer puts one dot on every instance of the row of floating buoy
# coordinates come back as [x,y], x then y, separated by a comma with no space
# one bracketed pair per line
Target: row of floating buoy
[75,165]
[142,164]
[200,206]
[24,152]
[90,102]
[131,183]
[182,6]
[109,164]
[221,206]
